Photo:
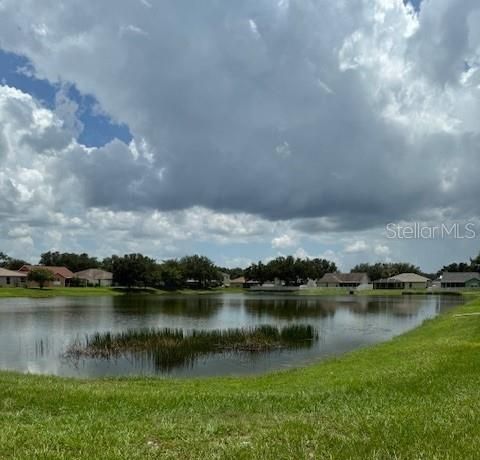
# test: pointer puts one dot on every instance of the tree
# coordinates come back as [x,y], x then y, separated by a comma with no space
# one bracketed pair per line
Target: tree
[201,269]
[233,272]
[475,264]
[134,270]
[171,274]
[10,263]
[257,272]
[74,262]
[381,270]
[292,271]
[41,276]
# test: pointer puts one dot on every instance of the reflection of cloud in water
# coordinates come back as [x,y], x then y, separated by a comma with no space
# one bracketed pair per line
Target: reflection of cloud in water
[34,333]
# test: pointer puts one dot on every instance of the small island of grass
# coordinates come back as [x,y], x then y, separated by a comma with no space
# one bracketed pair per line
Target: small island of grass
[169,348]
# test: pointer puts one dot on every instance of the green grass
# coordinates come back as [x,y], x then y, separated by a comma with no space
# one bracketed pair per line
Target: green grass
[103,291]
[382,292]
[57,292]
[415,397]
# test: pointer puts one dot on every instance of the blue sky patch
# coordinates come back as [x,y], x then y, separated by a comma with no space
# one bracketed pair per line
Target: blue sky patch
[16,71]
[415,3]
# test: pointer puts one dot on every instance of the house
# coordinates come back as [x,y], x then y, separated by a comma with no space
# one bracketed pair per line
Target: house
[95,276]
[61,275]
[388,283]
[403,281]
[11,278]
[225,279]
[344,280]
[238,282]
[241,282]
[460,280]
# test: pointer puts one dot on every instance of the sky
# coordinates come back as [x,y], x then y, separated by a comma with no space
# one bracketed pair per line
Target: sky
[241,130]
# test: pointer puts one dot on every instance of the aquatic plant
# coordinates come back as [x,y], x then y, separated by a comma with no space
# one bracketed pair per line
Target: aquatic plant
[168,348]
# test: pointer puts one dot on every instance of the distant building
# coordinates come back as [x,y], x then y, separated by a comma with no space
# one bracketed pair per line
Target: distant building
[10,278]
[460,280]
[95,276]
[61,275]
[225,279]
[238,282]
[243,283]
[343,280]
[403,281]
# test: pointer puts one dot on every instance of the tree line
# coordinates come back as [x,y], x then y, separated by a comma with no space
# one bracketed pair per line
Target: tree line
[291,270]
[473,265]
[381,270]
[199,271]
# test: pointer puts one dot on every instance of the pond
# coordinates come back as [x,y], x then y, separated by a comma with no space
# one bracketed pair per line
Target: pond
[35,334]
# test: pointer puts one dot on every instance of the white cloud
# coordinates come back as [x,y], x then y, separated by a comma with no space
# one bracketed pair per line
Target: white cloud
[371,55]
[356,246]
[283,241]
[381,250]
[369,115]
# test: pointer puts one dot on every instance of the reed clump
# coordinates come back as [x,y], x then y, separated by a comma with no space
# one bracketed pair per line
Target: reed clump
[173,347]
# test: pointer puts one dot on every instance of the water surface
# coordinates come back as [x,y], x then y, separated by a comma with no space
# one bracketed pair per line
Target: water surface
[35,333]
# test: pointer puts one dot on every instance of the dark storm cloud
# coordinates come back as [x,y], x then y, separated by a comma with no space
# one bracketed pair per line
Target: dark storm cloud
[252,106]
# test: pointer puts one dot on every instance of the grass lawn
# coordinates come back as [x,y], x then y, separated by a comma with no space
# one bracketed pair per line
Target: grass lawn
[102,291]
[415,397]
[57,292]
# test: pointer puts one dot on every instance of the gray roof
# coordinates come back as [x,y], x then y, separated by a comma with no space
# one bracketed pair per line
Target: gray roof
[94,274]
[387,281]
[11,274]
[410,278]
[459,277]
[343,278]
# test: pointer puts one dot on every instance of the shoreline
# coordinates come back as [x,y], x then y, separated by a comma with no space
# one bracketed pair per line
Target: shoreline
[317,292]
[411,397]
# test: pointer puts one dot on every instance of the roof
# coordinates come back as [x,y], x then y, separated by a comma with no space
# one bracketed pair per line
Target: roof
[240,279]
[387,281]
[94,274]
[409,278]
[11,274]
[64,272]
[459,277]
[343,278]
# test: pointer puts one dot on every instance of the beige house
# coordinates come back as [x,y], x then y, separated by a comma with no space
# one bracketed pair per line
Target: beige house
[9,278]
[96,277]
[403,281]
[343,280]
[238,282]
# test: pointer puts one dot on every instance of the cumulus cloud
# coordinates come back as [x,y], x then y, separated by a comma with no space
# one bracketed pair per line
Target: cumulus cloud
[356,246]
[242,117]
[283,241]
[381,250]
[316,116]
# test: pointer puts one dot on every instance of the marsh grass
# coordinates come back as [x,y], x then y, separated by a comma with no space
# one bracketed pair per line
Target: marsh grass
[169,348]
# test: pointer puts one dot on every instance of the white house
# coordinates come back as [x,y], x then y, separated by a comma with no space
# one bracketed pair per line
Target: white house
[11,278]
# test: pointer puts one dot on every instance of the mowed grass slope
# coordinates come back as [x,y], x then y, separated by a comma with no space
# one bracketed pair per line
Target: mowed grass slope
[415,397]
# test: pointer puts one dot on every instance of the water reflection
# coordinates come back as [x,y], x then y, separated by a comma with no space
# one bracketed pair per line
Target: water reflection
[192,306]
[34,333]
